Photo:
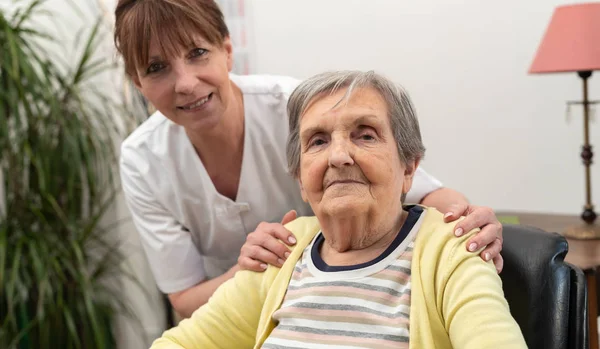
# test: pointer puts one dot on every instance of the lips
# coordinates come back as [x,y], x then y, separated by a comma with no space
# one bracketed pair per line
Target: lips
[196,104]
[342,181]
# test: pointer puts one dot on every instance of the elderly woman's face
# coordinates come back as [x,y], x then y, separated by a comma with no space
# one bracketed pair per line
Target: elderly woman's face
[349,162]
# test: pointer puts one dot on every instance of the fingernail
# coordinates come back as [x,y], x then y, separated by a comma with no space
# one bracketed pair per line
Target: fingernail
[286,255]
[280,261]
[448,214]
[458,232]
[292,240]
[486,256]
[264,266]
[472,246]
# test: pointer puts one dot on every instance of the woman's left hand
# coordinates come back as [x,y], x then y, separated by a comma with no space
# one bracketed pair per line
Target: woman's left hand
[489,236]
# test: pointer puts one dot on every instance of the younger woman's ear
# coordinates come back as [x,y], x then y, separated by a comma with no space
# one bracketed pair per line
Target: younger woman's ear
[136,81]
[228,47]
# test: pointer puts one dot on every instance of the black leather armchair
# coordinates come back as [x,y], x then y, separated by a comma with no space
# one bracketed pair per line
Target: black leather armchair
[546,295]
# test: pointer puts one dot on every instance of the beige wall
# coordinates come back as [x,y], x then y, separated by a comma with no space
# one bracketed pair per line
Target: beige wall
[492,131]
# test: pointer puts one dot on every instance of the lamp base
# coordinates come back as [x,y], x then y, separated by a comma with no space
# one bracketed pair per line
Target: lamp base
[583,231]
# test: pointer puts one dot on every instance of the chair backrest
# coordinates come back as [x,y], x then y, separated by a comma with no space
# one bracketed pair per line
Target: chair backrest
[546,295]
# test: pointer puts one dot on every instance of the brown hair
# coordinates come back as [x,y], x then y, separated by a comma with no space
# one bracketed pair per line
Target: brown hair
[173,23]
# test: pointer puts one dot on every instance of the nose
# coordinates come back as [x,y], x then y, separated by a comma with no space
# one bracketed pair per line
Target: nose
[185,81]
[340,154]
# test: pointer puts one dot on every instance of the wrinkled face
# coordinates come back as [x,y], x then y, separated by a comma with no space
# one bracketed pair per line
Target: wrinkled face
[191,88]
[349,162]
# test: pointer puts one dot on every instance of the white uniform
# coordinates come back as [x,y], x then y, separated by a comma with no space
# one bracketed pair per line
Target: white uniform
[189,231]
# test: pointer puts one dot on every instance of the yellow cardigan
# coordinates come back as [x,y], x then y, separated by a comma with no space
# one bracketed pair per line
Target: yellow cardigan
[456,298]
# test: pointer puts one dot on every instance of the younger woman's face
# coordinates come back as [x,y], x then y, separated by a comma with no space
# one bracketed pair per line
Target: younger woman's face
[192,88]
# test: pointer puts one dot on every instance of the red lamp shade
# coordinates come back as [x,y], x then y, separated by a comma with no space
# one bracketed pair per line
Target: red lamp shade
[571,42]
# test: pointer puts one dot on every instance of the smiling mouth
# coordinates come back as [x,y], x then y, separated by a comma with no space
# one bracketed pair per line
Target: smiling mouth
[197,104]
[348,181]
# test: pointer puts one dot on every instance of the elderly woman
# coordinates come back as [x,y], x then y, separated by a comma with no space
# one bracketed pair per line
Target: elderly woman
[367,271]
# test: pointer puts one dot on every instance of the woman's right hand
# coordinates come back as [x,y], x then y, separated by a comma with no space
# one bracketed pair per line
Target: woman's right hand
[268,244]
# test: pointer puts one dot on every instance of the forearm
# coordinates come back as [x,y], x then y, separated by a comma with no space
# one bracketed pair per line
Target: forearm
[187,301]
[228,320]
[443,198]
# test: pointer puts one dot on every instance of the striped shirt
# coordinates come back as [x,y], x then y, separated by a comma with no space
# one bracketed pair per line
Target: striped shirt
[360,306]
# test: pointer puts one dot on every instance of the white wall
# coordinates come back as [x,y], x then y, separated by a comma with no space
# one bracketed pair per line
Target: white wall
[491,131]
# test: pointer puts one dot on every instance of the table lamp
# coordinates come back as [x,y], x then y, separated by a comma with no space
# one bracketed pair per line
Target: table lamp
[572,44]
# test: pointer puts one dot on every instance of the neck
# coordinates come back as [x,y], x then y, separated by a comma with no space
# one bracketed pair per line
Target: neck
[358,239]
[227,136]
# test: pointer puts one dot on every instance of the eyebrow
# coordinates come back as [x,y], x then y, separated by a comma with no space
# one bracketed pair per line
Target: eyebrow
[367,118]
[197,43]
[364,118]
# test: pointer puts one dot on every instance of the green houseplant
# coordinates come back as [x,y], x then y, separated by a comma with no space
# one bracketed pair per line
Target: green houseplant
[58,261]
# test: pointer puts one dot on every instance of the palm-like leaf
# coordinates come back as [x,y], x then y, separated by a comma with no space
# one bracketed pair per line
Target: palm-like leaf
[57,137]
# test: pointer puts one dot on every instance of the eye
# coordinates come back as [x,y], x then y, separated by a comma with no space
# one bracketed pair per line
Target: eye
[367,134]
[197,52]
[155,67]
[316,142]
[367,137]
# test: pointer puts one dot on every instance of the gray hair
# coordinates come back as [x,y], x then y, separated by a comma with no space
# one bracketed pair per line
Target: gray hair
[403,120]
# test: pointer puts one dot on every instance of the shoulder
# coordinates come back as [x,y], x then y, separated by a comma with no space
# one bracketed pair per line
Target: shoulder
[304,229]
[274,85]
[275,279]
[143,134]
[436,239]
[153,139]
[265,102]
[433,226]
[442,255]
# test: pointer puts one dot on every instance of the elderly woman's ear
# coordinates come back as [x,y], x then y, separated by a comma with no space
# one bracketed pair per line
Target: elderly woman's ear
[409,174]
[302,191]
